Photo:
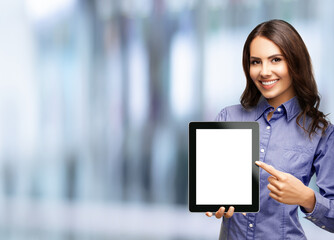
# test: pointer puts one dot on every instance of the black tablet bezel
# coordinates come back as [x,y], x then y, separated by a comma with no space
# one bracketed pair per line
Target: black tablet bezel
[254,126]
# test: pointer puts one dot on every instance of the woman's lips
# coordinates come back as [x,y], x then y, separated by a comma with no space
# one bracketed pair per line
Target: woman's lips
[268,84]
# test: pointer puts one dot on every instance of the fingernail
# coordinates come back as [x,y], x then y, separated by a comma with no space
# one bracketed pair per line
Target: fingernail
[258,163]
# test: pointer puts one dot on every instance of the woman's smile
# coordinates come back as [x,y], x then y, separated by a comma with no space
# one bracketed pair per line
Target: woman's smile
[267,84]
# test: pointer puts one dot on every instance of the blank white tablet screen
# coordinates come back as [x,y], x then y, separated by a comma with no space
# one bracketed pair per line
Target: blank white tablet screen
[224,166]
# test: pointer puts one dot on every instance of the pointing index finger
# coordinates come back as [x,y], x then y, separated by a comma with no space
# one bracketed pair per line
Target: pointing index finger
[269,169]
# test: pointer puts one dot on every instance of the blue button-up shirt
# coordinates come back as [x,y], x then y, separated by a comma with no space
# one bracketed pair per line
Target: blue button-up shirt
[285,146]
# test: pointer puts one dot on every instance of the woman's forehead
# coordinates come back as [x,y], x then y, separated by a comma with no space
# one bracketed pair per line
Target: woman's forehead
[262,47]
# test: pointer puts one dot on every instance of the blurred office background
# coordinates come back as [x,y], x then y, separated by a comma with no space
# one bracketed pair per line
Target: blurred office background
[95,100]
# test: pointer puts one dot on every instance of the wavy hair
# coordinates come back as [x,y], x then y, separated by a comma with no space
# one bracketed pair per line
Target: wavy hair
[300,69]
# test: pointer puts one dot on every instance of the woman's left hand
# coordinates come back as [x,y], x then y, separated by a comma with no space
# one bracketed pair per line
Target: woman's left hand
[285,188]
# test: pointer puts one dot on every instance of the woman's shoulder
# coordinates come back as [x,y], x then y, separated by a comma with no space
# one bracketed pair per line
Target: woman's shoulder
[235,113]
[236,109]
[330,130]
[330,127]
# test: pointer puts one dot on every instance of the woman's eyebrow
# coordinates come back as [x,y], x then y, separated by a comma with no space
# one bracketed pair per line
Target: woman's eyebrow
[276,55]
[272,56]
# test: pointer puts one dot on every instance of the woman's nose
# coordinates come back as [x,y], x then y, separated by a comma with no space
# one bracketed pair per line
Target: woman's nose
[266,70]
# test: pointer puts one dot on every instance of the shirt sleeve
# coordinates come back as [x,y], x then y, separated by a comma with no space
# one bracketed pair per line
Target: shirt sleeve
[221,117]
[323,212]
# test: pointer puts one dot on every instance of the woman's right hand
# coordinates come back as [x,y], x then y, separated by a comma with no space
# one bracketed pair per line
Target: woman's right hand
[221,212]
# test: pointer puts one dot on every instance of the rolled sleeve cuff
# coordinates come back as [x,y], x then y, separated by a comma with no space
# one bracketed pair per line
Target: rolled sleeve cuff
[321,207]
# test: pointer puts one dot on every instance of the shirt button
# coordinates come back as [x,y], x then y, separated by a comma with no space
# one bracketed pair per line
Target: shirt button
[262,150]
[322,226]
[314,219]
[250,225]
[309,217]
[279,109]
[268,127]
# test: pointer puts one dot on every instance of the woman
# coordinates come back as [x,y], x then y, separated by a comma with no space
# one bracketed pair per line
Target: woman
[296,140]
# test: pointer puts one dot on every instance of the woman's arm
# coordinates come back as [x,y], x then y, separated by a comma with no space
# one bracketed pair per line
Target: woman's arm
[322,214]
[317,206]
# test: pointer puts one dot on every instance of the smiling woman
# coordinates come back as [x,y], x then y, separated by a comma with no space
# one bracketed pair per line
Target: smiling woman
[281,95]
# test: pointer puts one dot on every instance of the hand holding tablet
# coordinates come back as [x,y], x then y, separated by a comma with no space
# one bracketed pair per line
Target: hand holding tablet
[222,172]
[221,212]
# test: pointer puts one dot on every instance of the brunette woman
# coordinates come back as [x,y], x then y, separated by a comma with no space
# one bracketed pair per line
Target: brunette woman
[296,139]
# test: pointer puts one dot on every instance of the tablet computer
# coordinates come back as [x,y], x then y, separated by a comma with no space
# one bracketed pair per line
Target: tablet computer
[222,169]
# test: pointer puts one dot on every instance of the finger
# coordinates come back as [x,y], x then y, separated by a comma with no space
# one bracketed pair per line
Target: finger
[275,197]
[270,169]
[273,180]
[273,189]
[209,214]
[230,212]
[220,212]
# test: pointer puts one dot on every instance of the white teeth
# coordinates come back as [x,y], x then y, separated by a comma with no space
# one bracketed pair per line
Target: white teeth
[269,83]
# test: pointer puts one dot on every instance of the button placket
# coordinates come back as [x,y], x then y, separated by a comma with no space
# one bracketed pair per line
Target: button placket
[251,226]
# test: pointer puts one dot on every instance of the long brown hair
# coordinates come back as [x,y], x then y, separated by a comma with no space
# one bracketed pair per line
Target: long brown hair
[299,63]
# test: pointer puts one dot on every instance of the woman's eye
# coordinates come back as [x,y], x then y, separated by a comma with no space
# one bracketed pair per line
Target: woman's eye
[276,60]
[254,62]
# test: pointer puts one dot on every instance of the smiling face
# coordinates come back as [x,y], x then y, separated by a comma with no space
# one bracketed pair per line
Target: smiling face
[269,71]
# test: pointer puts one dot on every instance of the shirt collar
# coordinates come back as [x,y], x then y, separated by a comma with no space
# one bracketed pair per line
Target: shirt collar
[262,106]
[291,107]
